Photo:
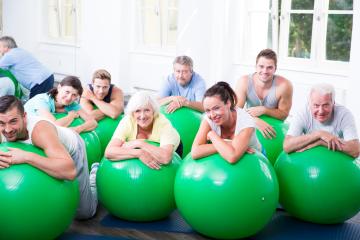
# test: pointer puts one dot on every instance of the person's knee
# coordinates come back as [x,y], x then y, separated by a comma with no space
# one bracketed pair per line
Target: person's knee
[7,87]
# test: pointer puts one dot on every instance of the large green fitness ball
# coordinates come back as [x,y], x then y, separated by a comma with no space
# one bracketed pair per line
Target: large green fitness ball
[91,139]
[34,205]
[274,146]
[226,201]
[319,185]
[130,190]
[6,73]
[187,122]
[105,130]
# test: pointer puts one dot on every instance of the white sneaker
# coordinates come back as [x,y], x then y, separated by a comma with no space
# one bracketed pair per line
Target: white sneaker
[92,177]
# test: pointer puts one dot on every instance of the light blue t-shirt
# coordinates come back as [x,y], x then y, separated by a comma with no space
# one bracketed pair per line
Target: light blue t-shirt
[26,69]
[193,91]
[44,101]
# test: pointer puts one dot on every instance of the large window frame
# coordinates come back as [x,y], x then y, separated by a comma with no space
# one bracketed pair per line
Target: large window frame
[278,34]
[156,24]
[61,21]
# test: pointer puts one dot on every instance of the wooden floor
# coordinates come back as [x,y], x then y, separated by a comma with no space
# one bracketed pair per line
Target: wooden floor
[93,227]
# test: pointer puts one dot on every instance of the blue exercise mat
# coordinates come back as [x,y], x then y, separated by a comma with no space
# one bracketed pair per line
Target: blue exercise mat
[174,223]
[78,236]
[285,227]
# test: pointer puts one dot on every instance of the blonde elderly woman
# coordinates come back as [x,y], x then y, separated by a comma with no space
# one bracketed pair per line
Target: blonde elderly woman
[143,121]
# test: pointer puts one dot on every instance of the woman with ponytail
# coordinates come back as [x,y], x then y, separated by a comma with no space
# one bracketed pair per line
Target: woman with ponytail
[225,129]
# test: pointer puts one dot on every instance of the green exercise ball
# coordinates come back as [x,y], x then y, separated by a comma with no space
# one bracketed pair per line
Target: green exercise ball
[91,139]
[6,73]
[187,122]
[34,205]
[130,190]
[226,201]
[319,185]
[274,146]
[105,129]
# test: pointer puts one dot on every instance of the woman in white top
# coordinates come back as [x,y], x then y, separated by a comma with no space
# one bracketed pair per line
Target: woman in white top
[230,130]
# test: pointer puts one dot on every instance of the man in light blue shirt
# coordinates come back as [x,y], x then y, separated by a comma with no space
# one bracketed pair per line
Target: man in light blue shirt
[28,71]
[183,88]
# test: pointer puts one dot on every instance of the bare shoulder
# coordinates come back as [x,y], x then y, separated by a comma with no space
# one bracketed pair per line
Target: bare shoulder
[117,91]
[283,84]
[242,83]
[44,133]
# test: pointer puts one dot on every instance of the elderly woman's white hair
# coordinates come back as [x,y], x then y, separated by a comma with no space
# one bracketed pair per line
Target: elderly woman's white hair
[139,100]
[323,89]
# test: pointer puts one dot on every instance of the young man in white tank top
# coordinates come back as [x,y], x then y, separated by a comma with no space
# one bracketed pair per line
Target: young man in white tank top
[64,148]
[265,93]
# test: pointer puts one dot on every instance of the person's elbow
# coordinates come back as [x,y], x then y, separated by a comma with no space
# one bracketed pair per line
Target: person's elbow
[195,154]
[356,151]
[168,156]
[70,174]
[232,159]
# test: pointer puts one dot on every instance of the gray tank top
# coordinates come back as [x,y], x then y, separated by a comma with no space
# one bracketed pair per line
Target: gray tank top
[252,99]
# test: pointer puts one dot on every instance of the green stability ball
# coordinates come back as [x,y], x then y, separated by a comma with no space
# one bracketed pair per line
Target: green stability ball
[105,129]
[34,205]
[187,122]
[91,139]
[319,185]
[130,190]
[6,73]
[274,146]
[226,201]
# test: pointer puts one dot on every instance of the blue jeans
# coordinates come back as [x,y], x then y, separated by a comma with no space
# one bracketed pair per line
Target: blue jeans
[44,87]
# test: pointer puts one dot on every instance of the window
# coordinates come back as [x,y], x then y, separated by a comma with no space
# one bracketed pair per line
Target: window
[319,30]
[307,31]
[62,20]
[158,22]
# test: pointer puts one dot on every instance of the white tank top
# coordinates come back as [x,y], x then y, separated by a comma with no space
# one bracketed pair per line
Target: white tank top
[67,136]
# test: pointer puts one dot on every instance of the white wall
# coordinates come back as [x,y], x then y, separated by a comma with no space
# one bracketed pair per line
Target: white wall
[206,32]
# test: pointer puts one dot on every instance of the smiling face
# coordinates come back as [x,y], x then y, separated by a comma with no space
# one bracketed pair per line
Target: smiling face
[101,88]
[144,117]
[182,73]
[13,124]
[321,106]
[216,110]
[265,69]
[66,95]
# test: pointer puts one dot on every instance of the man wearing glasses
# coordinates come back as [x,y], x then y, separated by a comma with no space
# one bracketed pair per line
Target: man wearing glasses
[183,88]
[102,99]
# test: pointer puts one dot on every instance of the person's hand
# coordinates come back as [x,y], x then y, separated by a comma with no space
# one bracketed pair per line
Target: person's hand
[13,156]
[256,111]
[5,159]
[332,141]
[73,114]
[176,103]
[88,94]
[210,135]
[18,156]
[266,130]
[149,161]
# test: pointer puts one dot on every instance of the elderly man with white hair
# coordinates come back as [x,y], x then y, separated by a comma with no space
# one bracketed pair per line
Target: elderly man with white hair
[322,122]
[143,121]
